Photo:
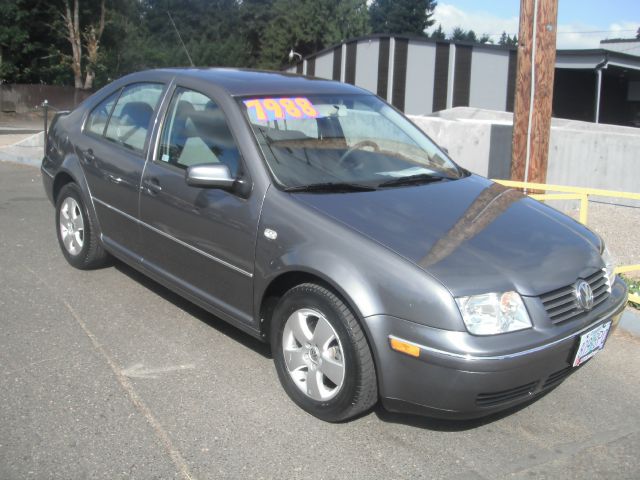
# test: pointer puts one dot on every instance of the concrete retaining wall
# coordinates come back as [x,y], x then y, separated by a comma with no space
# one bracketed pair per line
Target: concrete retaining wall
[27,98]
[581,154]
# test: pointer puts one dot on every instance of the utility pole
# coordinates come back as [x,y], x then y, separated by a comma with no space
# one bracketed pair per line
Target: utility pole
[534,90]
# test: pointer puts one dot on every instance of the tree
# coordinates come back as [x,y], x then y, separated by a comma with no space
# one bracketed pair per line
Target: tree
[402,16]
[13,37]
[471,37]
[308,26]
[507,41]
[438,33]
[255,16]
[89,38]
[638,33]
[28,50]
[458,35]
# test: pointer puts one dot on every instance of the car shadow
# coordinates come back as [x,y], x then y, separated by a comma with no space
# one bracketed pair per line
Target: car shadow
[192,309]
[447,425]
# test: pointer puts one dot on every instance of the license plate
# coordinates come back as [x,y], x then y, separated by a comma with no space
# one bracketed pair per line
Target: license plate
[591,343]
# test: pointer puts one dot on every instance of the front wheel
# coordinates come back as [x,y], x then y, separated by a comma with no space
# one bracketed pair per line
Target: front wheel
[321,355]
[76,233]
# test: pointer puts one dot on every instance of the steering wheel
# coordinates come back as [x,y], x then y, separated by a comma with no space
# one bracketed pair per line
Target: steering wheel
[364,143]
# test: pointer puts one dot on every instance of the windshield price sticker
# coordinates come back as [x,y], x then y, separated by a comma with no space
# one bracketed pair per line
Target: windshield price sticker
[290,108]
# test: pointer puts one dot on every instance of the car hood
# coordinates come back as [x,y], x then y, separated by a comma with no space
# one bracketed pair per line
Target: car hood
[473,235]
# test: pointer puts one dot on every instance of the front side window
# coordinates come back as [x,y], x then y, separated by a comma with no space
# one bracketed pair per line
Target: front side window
[100,114]
[132,115]
[319,139]
[196,132]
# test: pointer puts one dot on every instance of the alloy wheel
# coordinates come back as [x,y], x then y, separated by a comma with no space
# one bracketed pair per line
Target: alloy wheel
[313,354]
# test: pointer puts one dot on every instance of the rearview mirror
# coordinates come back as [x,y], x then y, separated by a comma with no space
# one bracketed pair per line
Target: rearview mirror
[208,175]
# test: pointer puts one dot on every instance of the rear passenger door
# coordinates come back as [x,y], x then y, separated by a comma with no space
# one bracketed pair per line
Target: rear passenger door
[112,149]
[200,239]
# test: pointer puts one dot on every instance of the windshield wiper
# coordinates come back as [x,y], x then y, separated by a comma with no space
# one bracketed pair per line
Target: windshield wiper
[413,180]
[331,187]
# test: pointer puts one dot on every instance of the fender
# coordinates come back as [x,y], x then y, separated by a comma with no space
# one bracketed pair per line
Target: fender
[367,274]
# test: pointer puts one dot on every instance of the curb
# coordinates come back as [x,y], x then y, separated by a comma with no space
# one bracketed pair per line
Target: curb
[28,151]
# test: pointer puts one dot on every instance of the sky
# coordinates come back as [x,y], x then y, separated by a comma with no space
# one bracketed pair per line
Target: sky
[581,23]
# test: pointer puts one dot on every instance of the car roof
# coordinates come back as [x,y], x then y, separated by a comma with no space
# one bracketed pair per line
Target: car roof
[242,82]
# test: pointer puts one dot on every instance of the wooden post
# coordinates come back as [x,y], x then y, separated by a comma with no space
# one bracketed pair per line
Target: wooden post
[534,90]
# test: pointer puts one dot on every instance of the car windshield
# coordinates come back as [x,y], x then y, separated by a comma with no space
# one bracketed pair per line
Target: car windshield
[340,139]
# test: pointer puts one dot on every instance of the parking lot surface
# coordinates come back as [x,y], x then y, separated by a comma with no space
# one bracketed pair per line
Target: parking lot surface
[106,374]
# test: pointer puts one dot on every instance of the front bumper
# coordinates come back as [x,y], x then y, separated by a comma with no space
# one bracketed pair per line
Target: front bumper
[458,375]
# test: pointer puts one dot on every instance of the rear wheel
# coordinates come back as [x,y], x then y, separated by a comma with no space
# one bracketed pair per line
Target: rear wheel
[76,234]
[321,355]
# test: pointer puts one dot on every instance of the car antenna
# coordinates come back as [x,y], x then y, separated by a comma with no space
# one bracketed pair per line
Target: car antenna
[180,38]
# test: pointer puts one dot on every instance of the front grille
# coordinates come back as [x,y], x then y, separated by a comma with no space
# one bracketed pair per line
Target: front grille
[561,304]
[496,398]
[557,377]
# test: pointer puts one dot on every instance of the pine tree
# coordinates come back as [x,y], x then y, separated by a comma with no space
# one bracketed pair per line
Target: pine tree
[308,26]
[458,35]
[402,16]
[438,33]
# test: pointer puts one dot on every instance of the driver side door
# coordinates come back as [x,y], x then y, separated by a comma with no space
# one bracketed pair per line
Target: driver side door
[201,240]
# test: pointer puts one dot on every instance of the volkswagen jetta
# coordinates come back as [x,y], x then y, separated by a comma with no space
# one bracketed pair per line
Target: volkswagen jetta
[314,216]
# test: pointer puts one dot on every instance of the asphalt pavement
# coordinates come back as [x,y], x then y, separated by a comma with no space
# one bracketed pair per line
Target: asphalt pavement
[105,374]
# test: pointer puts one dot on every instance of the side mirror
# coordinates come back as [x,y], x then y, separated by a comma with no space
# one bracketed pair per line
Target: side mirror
[210,175]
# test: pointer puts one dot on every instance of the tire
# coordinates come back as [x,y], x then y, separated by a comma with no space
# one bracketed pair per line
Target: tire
[322,357]
[77,236]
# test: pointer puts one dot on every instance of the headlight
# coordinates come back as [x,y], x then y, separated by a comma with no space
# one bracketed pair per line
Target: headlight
[494,313]
[609,265]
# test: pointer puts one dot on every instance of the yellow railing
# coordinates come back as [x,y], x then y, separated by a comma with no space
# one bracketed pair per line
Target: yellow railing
[576,193]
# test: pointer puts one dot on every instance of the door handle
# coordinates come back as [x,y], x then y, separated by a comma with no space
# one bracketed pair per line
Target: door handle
[89,156]
[153,186]
[114,179]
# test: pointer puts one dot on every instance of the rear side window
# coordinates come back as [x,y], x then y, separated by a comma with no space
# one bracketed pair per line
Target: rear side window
[100,114]
[132,115]
[196,132]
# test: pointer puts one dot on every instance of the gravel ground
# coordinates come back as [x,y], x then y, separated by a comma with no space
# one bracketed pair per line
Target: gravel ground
[620,227]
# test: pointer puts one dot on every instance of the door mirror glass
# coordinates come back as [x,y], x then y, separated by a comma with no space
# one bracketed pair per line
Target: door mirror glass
[210,175]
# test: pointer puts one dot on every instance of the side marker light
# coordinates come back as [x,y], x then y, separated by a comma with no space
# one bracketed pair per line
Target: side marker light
[404,347]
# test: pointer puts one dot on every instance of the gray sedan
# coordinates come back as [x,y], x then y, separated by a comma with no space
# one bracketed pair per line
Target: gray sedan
[314,216]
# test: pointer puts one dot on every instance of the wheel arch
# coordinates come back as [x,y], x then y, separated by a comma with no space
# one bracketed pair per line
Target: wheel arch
[285,281]
[71,171]
[61,179]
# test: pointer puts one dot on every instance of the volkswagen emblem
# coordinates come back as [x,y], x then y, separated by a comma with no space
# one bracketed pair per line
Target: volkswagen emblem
[584,295]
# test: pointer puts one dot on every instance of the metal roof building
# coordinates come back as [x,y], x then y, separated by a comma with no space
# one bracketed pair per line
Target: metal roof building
[420,75]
